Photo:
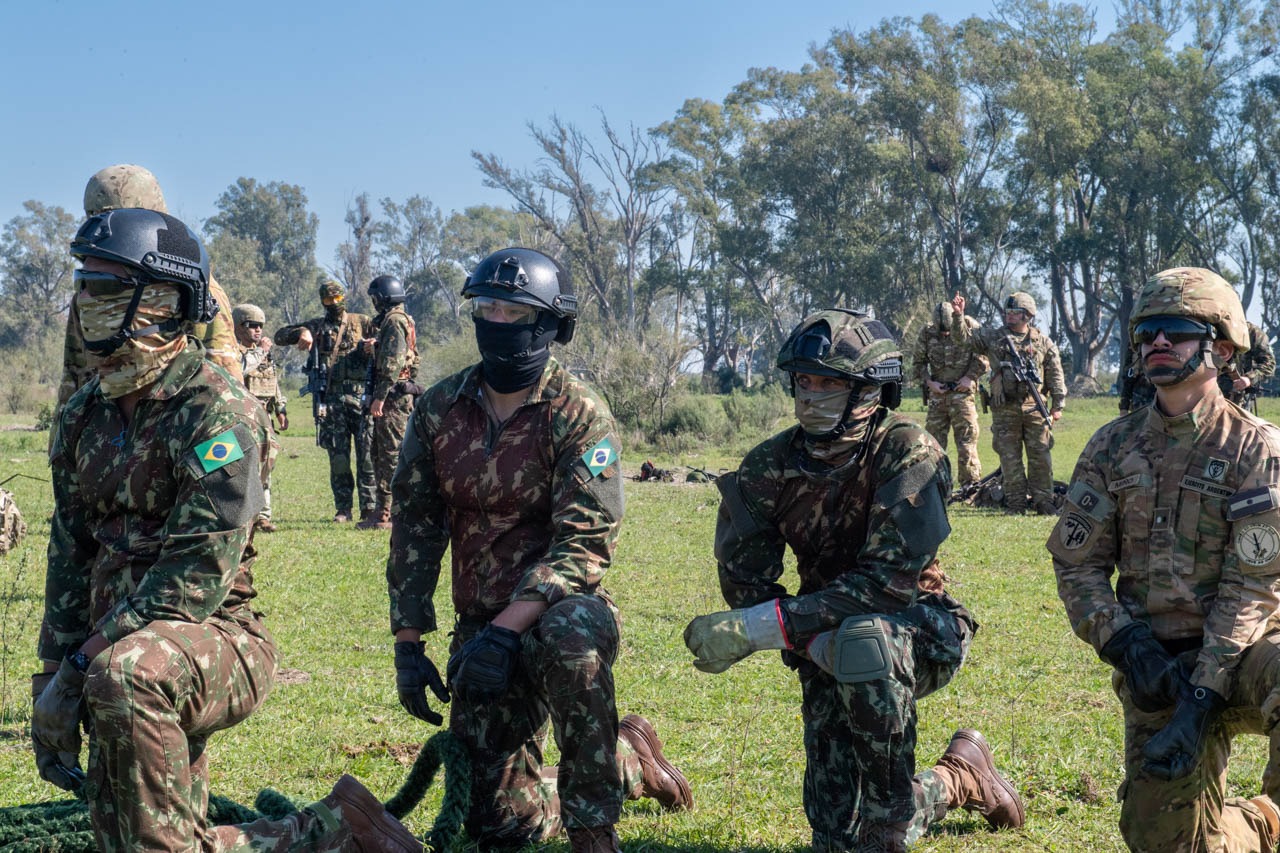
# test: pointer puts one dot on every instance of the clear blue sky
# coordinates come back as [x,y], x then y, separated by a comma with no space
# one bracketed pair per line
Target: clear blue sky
[380,97]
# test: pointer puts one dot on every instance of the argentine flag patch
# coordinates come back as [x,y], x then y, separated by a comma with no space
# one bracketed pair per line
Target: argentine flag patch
[600,457]
[218,451]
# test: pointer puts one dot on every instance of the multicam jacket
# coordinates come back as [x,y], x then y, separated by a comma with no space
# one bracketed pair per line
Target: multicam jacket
[347,366]
[396,356]
[1185,511]
[945,358]
[531,508]
[1258,362]
[864,536]
[151,520]
[1037,350]
[260,377]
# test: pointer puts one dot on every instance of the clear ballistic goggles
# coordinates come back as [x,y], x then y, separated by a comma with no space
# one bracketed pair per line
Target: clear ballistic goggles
[1176,330]
[502,311]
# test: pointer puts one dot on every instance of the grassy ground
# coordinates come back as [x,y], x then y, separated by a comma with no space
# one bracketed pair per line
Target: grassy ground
[1040,696]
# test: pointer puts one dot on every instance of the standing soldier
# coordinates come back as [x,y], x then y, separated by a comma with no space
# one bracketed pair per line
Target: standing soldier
[1024,367]
[859,495]
[1180,502]
[948,370]
[339,336]
[261,380]
[513,465]
[392,391]
[149,637]
[117,187]
[1243,378]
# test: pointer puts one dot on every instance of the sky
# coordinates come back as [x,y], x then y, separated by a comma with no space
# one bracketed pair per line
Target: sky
[388,98]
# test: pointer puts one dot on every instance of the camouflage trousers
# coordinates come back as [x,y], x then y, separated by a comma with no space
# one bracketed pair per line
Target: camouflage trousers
[384,439]
[153,699]
[564,678]
[269,404]
[1194,813]
[342,427]
[1013,427]
[955,411]
[860,739]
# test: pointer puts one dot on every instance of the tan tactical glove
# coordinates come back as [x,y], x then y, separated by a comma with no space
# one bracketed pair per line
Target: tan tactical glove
[719,640]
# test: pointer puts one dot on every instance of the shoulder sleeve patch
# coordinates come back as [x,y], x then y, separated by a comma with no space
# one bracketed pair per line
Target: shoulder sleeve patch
[600,457]
[907,484]
[1252,502]
[1095,505]
[218,451]
[744,521]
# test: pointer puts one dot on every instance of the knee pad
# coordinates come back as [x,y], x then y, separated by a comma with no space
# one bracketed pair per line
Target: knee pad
[859,651]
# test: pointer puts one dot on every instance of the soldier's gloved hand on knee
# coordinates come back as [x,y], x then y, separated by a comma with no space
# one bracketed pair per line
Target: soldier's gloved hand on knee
[1151,673]
[719,640]
[414,674]
[56,711]
[481,670]
[1175,750]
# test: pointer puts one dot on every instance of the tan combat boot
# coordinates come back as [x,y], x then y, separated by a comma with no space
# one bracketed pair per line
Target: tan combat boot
[662,781]
[969,773]
[373,829]
[593,839]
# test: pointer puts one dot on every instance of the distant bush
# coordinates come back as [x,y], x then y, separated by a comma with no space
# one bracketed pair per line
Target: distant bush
[759,412]
[702,417]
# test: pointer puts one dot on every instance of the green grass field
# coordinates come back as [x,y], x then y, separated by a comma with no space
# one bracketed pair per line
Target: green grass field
[1040,696]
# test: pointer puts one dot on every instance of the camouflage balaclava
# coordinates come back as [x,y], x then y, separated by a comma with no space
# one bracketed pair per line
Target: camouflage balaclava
[120,186]
[140,360]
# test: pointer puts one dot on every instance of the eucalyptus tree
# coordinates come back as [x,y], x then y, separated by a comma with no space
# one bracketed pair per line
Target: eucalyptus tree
[35,270]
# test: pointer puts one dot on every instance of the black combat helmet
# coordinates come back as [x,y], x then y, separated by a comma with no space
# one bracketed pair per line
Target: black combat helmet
[385,291]
[528,277]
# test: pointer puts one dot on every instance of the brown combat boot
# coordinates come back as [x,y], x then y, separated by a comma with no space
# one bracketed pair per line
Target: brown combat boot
[1271,814]
[969,772]
[882,837]
[342,516]
[593,839]
[376,519]
[373,829]
[662,781]
[265,525]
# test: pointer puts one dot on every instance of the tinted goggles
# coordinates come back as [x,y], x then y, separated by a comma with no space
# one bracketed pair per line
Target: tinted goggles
[1177,330]
[105,284]
[502,311]
[250,324]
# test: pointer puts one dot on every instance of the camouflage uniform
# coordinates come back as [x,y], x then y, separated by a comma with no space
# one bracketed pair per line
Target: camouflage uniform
[150,546]
[339,342]
[1015,423]
[1136,391]
[943,359]
[852,557]
[530,511]
[1258,364]
[1150,501]
[263,383]
[395,373]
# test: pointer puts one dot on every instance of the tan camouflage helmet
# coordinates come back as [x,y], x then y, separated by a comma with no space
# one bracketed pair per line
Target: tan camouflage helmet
[247,313]
[943,315]
[121,186]
[330,289]
[1021,300]
[1192,292]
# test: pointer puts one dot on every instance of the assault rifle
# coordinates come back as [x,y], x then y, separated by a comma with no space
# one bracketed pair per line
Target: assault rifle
[370,379]
[317,370]
[1025,371]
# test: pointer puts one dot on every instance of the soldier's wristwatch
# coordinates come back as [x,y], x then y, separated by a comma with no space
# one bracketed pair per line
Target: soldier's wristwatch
[79,661]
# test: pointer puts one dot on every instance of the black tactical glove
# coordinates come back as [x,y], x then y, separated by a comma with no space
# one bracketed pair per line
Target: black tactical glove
[1152,674]
[57,706]
[1175,750]
[414,674]
[481,670]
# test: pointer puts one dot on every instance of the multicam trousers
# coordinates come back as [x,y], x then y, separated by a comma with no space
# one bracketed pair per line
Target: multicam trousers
[1014,426]
[955,410]
[344,425]
[860,739]
[1194,813]
[565,676]
[384,443]
[153,699]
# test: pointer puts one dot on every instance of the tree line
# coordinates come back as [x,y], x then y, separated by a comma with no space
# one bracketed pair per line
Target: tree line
[900,164]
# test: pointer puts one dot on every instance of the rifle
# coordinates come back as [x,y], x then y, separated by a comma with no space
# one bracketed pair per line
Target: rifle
[1025,371]
[1246,399]
[317,370]
[370,379]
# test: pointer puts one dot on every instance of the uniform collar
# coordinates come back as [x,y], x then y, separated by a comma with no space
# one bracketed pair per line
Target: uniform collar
[1193,423]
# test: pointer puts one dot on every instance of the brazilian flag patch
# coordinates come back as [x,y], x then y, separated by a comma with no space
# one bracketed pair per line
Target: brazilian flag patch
[218,451]
[600,457]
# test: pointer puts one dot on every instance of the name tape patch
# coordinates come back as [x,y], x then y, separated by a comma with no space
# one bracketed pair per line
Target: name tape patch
[1205,487]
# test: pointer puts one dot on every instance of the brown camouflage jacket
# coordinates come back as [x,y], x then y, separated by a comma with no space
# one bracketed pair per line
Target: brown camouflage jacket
[349,365]
[531,508]
[864,536]
[1037,349]
[944,358]
[151,521]
[1185,512]
[396,356]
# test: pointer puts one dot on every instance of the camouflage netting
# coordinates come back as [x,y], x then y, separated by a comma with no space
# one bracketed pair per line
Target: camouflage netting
[63,826]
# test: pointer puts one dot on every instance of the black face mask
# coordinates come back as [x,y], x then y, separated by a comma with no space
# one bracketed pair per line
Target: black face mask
[514,354]
[334,312]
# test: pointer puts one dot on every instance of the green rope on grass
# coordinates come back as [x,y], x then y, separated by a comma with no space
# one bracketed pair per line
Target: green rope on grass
[63,826]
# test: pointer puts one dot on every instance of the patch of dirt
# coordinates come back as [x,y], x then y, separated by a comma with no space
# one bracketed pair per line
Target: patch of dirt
[404,754]
[292,676]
